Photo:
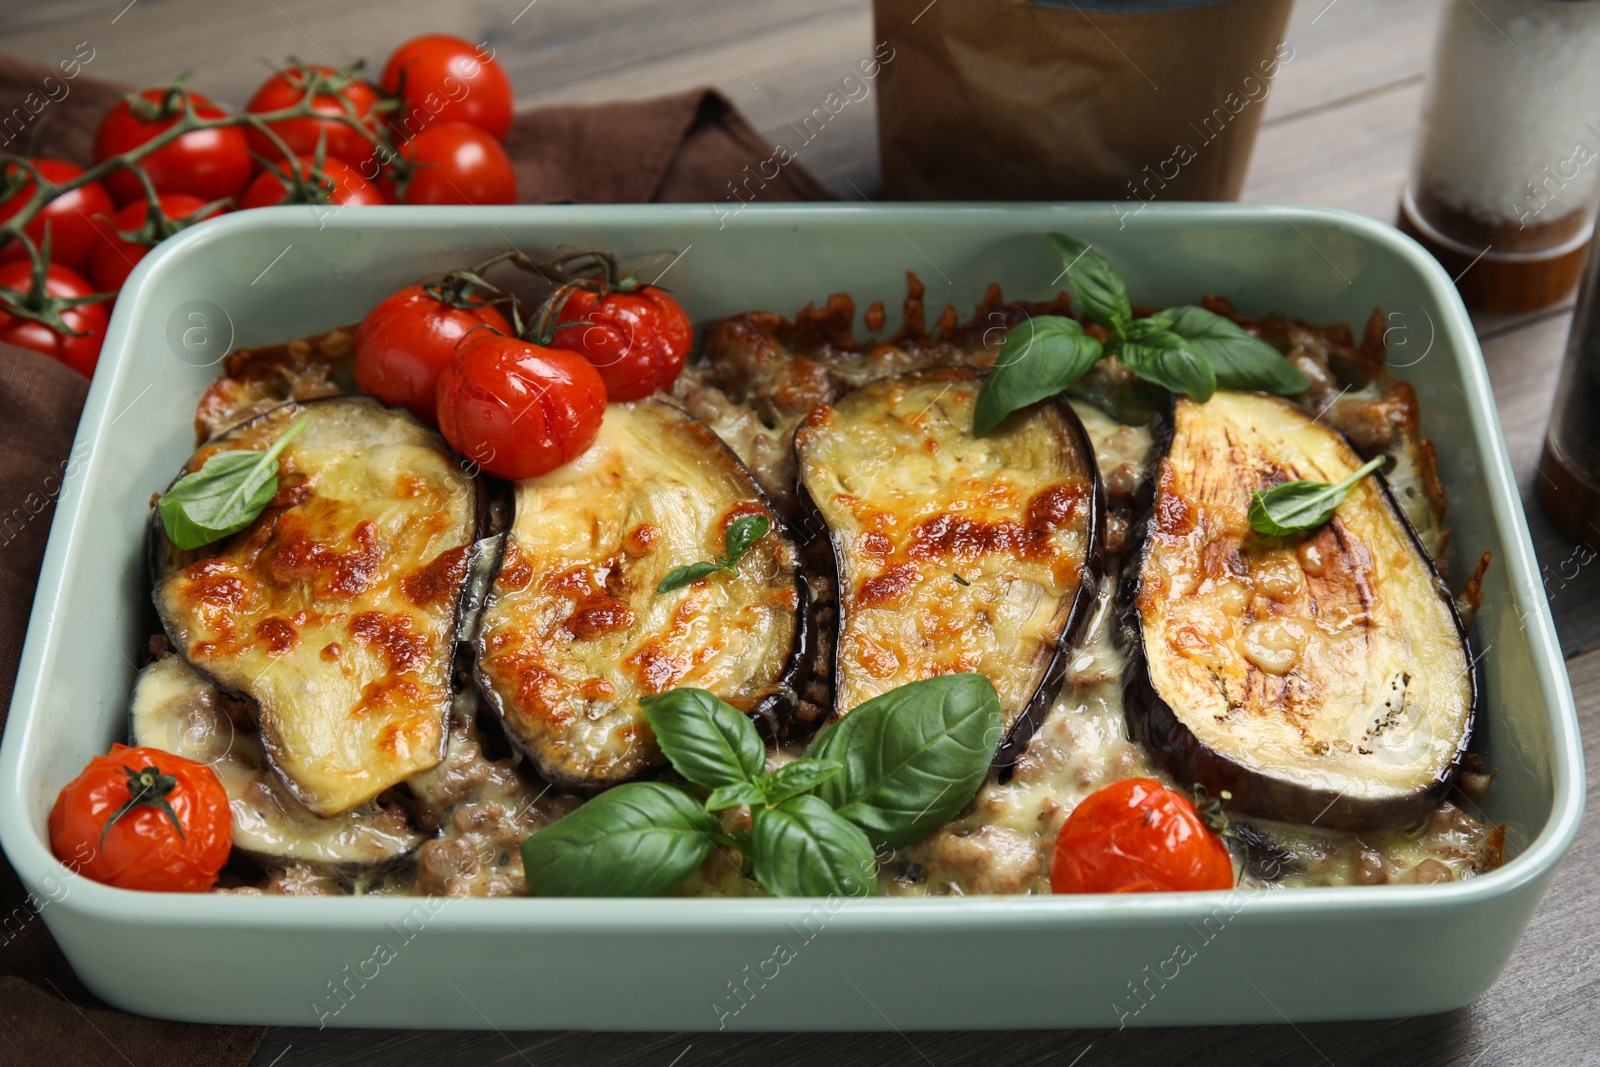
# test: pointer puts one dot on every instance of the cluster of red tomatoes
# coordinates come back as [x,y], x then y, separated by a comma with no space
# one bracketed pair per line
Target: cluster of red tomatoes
[521,402]
[435,122]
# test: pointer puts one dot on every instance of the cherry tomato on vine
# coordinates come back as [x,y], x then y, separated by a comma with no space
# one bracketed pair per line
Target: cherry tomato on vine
[115,256]
[407,341]
[211,164]
[440,78]
[340,185]
[75,218]
[638,339]
[518,409]
[79,353]
[1138,836]
[288,87]
[458,164]
[141,818]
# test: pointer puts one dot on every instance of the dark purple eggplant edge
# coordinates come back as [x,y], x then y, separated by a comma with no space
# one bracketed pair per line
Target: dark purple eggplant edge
[1151,721]
[1054,674]
[159,549]
[773,709]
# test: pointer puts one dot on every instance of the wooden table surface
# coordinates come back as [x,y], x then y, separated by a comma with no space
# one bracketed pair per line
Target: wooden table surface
[1338,131]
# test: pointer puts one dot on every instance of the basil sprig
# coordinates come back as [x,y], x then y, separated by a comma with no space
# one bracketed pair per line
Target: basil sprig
[743,532]
[225,495]
[1186,349]
[886,774]
[1295,507]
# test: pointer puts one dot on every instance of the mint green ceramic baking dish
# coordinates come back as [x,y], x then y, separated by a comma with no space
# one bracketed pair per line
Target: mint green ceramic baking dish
[773,964]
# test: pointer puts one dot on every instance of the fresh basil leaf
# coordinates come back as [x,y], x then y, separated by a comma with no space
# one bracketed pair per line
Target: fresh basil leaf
[1162,357]
[802,848]
[1295,507]
[225,495]
[913,757]
[1040,358]
[743,532]
[678,577]
[634,840]
[1097,289]
[707,740]
[799,776]
[1238,359]
[731,796]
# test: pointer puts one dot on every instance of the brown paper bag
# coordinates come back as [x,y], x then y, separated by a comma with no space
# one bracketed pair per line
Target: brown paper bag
[1120,100]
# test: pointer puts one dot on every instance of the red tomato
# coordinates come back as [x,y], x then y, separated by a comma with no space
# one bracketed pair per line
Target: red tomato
[343,186]
[637,340]
[288,87]
[142,848]
[518,409]
[75,218]
[210,164]
[79,353]
[458,164]
[407,341]
[447,79]
[115,256]
[1137,836]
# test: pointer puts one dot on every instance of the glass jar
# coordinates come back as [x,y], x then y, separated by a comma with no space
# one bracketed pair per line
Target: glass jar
[1507,169]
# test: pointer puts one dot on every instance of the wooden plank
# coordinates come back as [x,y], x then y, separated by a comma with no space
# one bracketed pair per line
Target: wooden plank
[1345,48]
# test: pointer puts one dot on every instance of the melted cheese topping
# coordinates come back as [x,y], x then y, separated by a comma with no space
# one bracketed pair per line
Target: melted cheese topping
[956,553]
[576,633]
[335,611]
[1331,660]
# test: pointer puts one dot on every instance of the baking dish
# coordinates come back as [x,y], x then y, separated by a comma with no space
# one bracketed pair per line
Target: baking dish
[677,964]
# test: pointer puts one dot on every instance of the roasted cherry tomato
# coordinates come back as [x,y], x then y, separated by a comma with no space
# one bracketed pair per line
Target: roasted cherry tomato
[440,78]
[339,185]
[141,818]
[336,95]
[518,409]
[458,164]
[407,341]
[636,338]
[210,164]
[116,256]
[75,218]
[89,320]
[1138,836]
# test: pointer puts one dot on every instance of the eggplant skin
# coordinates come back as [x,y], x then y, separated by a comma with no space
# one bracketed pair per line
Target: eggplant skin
[336,611]
[954,553]
[574,631]
[177,711]
[1323,679]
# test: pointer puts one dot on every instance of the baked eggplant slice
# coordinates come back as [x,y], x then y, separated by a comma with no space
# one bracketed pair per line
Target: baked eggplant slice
[176,710]
[575,632]
[953,552]
[1321,679]
[336,611]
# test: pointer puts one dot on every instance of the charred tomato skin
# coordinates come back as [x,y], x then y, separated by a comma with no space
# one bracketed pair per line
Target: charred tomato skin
[210,164]
[142,849]
[1138,836]
[637,340]
[406,342]
[1152,721]
[76,219]
[518,409]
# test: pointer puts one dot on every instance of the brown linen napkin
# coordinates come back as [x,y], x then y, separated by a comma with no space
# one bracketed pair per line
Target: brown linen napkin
[685,147]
